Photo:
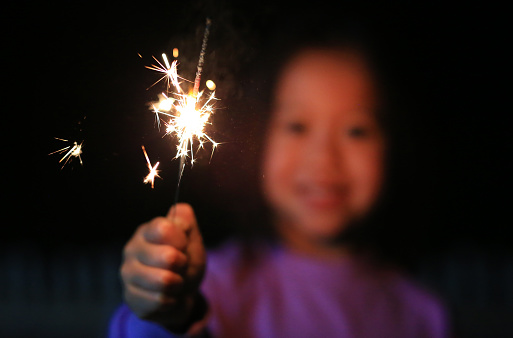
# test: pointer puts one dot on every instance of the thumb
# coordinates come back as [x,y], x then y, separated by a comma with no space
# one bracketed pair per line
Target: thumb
[182,216]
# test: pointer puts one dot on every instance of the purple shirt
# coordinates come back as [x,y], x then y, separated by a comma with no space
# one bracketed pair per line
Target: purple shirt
[273,292]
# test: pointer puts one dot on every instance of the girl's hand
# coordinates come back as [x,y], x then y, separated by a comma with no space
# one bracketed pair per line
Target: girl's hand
[162,269]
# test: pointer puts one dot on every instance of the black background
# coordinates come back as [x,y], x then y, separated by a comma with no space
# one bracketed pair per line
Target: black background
[73,71]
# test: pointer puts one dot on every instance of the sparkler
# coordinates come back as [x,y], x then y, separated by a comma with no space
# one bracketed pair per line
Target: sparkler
[201,58]
[188,113]
[70,151]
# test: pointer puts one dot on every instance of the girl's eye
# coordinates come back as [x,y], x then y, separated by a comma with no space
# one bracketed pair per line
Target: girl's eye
[296,127]
[358,132]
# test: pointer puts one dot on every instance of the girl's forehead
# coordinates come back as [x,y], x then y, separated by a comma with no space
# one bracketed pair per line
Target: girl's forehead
[327,64]
[326,77]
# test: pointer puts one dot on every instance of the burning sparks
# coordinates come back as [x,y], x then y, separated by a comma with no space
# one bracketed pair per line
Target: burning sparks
[188,113]
[70,151]
[188,117]
[150,178]
[169,71]
[189,122]
[185,114]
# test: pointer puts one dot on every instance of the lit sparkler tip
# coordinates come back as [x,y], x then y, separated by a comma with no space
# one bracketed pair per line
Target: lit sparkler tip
[188,112]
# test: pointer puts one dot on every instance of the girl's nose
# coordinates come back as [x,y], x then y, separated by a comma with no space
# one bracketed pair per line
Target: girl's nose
[323,152]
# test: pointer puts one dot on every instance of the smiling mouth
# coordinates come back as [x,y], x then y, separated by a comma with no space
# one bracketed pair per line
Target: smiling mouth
[323,197]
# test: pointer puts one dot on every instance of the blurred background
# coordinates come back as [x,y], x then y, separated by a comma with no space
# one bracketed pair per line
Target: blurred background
[75,70]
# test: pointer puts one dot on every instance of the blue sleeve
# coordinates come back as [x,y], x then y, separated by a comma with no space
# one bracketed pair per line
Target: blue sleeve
[125,324]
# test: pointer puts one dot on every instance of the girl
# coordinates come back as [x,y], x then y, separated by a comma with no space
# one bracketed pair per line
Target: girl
[323,173]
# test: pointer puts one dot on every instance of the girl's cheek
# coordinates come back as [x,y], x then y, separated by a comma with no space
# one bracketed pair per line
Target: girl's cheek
[273,157]
[368,172]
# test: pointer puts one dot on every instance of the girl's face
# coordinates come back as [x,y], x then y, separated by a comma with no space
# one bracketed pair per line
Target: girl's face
[324,159]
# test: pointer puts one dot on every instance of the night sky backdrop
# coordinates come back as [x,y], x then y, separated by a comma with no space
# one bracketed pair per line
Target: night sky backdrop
[73,72]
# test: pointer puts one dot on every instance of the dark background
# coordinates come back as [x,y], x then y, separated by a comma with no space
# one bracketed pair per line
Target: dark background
[73,72]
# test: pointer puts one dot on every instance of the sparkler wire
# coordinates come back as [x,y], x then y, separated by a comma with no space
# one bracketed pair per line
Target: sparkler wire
[201,58]
[197,82]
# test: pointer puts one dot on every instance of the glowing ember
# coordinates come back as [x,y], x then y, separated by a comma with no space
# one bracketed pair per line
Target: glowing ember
[150,178]
[210,85]
[74,150]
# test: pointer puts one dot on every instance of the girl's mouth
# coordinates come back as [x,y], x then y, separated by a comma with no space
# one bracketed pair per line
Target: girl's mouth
[322,196]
